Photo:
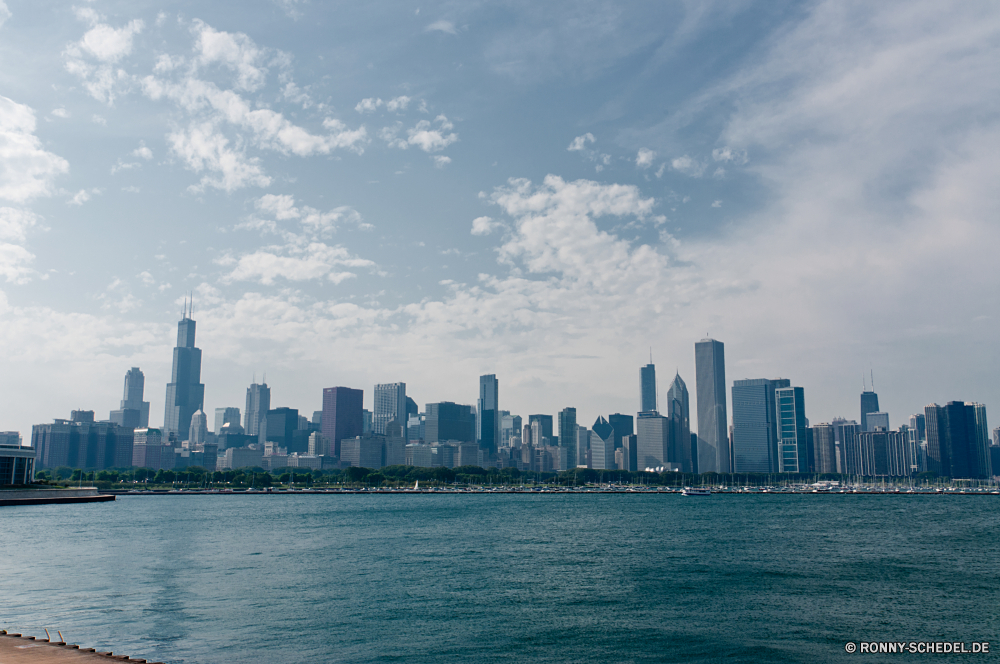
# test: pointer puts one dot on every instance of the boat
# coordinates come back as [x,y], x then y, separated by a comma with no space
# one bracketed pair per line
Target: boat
[696,491]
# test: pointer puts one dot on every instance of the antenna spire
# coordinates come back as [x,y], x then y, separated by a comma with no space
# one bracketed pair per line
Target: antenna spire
[873,380]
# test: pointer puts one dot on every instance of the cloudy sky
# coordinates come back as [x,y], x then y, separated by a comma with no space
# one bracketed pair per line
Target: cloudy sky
[424,192]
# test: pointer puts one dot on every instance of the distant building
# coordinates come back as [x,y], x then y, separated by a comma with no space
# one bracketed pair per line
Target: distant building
[449,421]
[258,403]
[647,388]
[884,453]
[489,414]
[365,451]
[242,457]
[624,425]
[198,433]
[602,445]
[567,433]
[582,447]
[713,422]
[876,421]
[824,447]
[510,427]
[390,404]
[343,415]
[954,443]
[845,433]
[82,443]
[279,426]
[185,391]
[17,462]
[134,412]
[755,431]
[869,404]
[629,453]
[545,424]
[790,416]
[677,411]
[227,415]
[653,437]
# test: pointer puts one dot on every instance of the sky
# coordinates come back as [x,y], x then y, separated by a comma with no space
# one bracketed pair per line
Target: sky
[362,193]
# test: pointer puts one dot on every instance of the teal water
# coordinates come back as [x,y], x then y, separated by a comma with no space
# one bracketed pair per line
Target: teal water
[505,578]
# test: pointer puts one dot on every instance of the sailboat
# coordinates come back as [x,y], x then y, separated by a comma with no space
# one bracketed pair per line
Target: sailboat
[416,485]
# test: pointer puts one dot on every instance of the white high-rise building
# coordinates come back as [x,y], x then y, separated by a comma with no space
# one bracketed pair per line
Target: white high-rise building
[390,404]
[258,403]
[198,431]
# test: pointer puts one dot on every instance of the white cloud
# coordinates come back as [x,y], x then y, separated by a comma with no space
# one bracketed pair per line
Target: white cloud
[661,169]
[369,105]
[166,63]
[146,278]
[204,149]
[15,263]
[440,161]
[60,113]
[82,196]
[280,206]
[315,260]
[485,225]
[644,159]
[580,142]
[727,154]
[397,104]
[236,51]
[142,151]
[26,169]
[688,166]
[97,119]
[4,13]
[105,45]
[442,26]
[430,139]
[716,204]
[15,223]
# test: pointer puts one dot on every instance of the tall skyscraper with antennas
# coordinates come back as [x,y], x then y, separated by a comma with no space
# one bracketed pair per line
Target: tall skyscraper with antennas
[647,386]
[185,391]
[869,402]
[713,423]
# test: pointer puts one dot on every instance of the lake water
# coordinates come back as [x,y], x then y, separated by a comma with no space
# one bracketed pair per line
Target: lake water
[505,578]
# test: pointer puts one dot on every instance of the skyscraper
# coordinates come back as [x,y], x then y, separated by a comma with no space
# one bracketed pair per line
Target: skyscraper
[824,447]
[227,415]
[652,442]
[624,425]
[869,404]
[602,445]
[185,392]
[678,412]
[876,420]
[342,416]
[198,431]
[954,444]
[489,414]
[647,386]
[258,403]
[755,432]
[713,422]
[790,414]
[567,434]
[134,412]
[545,428]
[449,421]
[390,404]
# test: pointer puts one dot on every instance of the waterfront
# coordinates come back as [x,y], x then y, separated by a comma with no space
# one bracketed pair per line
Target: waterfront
[503,578]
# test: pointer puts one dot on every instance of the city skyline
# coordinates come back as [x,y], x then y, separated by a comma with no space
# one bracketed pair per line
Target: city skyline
[368,194]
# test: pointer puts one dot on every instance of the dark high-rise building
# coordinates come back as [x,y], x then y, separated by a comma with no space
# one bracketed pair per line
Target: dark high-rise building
[82,443]
[258,403]
[545,424]
[678,412]
[713,422]
[793,442]
[824,447]
[755,432]
[567,434]
[390,404]
[624,425]
[342,415]
[449,421]
[489,414]
[647,386]
[279,426]
[224,416]
[185,392]
[869,404]
[953,443]
[134,412]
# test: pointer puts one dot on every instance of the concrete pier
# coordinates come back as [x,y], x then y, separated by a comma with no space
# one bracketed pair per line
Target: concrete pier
[18,649]
[51,496]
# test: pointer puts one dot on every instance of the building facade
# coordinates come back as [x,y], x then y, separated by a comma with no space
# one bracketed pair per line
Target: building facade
[390,404]
[790,416]
[258,403]
[488,422]
[713,421]
[134,412]
[185,391]
[343,415]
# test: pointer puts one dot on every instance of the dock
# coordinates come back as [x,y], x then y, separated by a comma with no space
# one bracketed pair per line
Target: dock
[18,649]
[10,497]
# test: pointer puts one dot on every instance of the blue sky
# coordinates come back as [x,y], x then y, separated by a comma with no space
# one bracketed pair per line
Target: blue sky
[425,192]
